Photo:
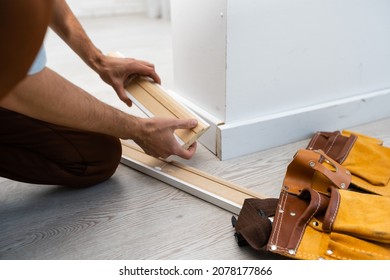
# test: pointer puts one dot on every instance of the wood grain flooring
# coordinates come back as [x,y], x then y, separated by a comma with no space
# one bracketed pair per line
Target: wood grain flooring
[133,216]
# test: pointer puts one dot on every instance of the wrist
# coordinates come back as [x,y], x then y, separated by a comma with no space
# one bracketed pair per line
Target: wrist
[96,61]
[134,127]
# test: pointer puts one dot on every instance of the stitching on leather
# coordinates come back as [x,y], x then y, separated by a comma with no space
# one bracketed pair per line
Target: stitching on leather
[331,146]
[349,149]
[335,212]
[275,237]
[283,204]
[313,140]
[308,220]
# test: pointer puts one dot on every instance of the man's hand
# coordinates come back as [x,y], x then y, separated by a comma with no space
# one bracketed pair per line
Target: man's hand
[157,138]
[116,71]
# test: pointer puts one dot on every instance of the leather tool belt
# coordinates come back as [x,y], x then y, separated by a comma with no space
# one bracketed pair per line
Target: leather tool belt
[334,203]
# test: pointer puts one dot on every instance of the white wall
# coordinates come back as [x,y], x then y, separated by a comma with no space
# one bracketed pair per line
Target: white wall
[106,7]
[284,54]
[152,8]
[199,46]
[275,71]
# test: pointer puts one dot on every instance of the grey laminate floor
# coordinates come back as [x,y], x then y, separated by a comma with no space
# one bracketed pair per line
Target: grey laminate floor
[133,216]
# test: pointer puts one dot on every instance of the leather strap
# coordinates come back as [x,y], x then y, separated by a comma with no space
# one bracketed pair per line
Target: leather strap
[332,210]
[340,176]
[301,171]
[253,224]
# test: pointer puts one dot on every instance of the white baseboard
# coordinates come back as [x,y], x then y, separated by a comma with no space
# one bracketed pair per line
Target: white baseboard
[232,140]
[245,137]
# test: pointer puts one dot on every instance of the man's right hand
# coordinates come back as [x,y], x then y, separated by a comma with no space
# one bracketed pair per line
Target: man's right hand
[157,137]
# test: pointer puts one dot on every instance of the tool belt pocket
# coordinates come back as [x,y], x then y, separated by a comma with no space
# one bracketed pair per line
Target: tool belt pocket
[357,224]
[343,246]
[365,157]
[361,215]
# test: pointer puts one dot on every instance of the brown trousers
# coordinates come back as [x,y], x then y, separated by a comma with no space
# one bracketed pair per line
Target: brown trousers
[37,152]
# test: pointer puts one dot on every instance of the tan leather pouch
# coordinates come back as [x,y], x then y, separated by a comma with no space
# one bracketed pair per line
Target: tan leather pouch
[365,157]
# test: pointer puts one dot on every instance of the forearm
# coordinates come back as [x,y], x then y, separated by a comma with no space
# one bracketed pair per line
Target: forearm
[67,26]
[47,96]
[114,71]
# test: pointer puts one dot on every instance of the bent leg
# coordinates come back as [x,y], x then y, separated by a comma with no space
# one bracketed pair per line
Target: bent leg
[37,152]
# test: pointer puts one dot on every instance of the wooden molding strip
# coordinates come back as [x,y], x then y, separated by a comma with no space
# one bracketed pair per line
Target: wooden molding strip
[198,183]
[159,103]
[156,102]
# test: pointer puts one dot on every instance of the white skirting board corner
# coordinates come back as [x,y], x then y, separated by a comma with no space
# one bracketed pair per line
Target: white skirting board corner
[209,139]
[251,136]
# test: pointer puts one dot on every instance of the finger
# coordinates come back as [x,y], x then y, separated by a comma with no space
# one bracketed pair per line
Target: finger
[120,91]
[155,77]
[146,63]
[152,74]
[147,71]
[192,148]
[187,154]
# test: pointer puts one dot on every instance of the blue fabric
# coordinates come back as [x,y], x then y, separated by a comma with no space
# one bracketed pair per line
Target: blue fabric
[39,62]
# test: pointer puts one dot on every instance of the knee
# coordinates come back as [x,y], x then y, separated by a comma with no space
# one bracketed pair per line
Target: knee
[111,156]
[109,159]
[101,161]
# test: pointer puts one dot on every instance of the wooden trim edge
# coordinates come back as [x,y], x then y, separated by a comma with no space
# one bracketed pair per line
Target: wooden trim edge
[154,101]
[212,189]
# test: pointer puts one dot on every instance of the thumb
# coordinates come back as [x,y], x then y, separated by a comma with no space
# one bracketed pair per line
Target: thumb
[187,154]
[122,95]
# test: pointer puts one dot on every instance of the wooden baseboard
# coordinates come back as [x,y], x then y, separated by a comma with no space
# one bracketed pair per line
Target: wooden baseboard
[198,183]
[154,101]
